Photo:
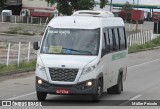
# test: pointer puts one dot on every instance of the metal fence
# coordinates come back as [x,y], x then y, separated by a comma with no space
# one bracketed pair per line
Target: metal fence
[24,19]
[16,52]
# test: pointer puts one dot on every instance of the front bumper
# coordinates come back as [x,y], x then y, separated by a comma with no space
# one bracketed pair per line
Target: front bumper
[79,88]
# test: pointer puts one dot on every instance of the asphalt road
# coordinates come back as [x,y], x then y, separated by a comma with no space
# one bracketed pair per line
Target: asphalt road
[142,83]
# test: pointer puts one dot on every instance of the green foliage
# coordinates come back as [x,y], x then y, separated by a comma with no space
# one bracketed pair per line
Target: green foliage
[103,3]
[14,30]
[66,7]
[15,67]
[85,4]
[2,3]
[18,30]
[127,9]
[148,45]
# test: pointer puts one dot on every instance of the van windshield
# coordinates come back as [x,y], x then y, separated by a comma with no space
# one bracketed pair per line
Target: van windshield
[71,41]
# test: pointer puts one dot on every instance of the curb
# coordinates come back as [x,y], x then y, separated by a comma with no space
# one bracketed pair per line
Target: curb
[147,49]
[16,72]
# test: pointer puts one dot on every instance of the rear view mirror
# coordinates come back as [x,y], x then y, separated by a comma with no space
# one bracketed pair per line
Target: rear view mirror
[36,46]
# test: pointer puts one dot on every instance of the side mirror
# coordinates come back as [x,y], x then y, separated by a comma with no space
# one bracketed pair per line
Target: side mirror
[36,46]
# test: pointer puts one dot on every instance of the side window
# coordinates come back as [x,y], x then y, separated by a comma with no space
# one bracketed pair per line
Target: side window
[115,39]
[110,39]
[123,38]
[104,41]
[105,38]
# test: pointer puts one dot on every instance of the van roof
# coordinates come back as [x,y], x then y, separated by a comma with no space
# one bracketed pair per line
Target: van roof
[92,13]
[85,22]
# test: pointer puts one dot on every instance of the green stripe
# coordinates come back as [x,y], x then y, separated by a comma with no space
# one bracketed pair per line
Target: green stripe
[118,56]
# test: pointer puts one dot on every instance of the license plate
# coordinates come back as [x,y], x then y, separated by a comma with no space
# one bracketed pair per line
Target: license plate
[62,91]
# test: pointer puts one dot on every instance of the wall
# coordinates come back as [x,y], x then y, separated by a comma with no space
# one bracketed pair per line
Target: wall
[36,4]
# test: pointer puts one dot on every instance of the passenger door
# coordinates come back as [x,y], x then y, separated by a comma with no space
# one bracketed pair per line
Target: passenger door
[115,56]
[105,58]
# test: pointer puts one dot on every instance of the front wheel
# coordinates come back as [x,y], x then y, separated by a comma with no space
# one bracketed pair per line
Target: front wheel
[96,97]
[117,88]
[41,96]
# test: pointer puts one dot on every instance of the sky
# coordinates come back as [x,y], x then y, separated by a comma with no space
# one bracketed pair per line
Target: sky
[151,2]
[145,2]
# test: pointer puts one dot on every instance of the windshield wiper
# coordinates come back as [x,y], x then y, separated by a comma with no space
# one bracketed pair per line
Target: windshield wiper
[81,51]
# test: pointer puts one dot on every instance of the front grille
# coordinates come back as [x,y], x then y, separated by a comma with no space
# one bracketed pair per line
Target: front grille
[66,75]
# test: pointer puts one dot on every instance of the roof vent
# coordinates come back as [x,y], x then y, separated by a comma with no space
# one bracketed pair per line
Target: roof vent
[93,13]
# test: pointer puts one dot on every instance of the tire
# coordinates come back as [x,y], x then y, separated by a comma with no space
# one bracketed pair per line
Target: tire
[117,88]
[41,96]
[96,97]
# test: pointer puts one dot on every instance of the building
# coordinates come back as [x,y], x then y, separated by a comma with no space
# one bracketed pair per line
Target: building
[14,5]
[38,8]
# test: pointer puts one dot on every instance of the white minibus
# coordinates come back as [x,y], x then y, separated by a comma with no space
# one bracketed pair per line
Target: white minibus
[82,54]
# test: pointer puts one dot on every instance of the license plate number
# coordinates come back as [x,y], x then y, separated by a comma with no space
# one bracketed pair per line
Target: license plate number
[62,91]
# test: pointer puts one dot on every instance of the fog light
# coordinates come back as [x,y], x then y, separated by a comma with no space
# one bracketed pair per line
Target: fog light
[89,83]
[39,81]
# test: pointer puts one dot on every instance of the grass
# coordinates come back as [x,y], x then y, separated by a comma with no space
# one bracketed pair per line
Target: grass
[14,30]
[18,30]
[13,68]
[148,45]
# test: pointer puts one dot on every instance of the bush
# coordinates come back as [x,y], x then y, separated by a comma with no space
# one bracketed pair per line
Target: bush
[151,44]
[15,67]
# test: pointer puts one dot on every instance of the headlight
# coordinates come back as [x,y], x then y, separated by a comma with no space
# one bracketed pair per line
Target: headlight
[41,68]
[89,69]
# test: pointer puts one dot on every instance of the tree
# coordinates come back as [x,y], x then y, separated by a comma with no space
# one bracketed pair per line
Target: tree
[2,3]
[103,3]
[127,9]
[66,7]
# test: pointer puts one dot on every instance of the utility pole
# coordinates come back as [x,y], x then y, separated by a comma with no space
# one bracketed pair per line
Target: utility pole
[137,4]
[133,3]
[111,6]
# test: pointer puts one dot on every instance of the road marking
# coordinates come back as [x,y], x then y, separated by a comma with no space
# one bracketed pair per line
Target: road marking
[21,96]
[134,98]
[144,63]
